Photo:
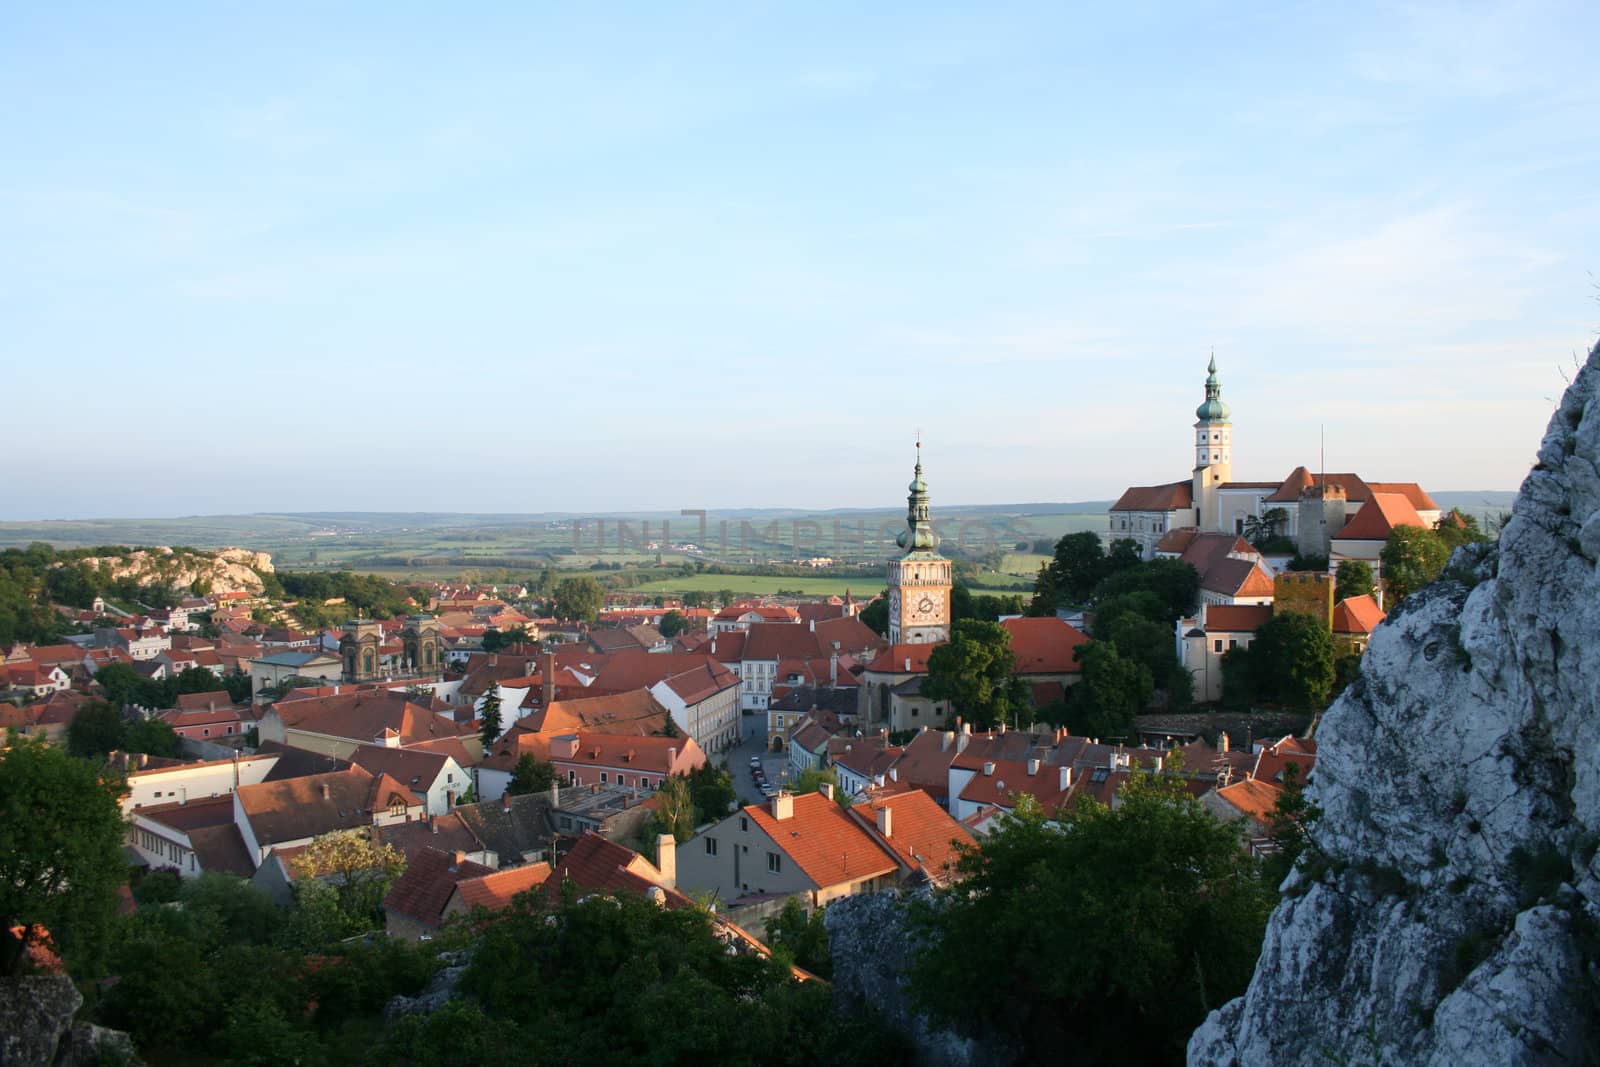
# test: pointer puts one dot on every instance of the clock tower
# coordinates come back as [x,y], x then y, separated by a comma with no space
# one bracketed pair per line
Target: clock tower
[919,580]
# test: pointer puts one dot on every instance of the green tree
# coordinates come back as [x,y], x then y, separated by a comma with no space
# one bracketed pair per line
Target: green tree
[96,731]
[489,712]
[672,624]
[1292,660]
[1266,530]
[875,615]
[1113,689]
[356,869]
[1354,578]
[1173,582]
[1289,826]
[579,598]
[712,793]
[976,673]
[675,809]
[1411,558]
[1044,601]
[61,859]
[1160,910]
[530,776]
[801,939]
[1078,566]
[1238,679]
[813,779]
[153,736]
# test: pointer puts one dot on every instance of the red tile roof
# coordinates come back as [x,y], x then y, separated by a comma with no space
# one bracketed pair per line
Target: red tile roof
[1171,497]
[829,847]
[921,833]
[425,887]
[1236,618]
[494,891]
[892,660]
[1378,518]
[1356,615]
[596,865]
[1252,797]
[1044,645]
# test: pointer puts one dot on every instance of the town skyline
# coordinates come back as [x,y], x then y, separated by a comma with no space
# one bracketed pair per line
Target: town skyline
[736,260]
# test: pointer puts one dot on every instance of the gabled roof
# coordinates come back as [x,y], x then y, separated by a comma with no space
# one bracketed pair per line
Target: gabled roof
[447,833]
[512,826]
[1378,518]
[596,865]
[1238,577]
[1356,615]
[1301,479]
[414,768]
[635,713]
[1251,797]
[921,833]
[425,887]
[1174,496]
[827,845]
[1044,645]
[893,659]
[1236,618]
[364,715]
[494,891]
[297,808]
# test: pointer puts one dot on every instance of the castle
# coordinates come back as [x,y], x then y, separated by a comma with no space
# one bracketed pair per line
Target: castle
[1336,516]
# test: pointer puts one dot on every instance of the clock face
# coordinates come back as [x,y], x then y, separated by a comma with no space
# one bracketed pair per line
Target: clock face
[894,602]
[925,605]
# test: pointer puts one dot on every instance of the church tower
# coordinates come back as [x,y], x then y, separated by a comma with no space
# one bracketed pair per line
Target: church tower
[919,580]
[1213,452]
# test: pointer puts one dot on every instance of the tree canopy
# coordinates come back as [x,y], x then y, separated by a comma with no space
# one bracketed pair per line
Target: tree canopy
[1411,558]
[530,775]
[1353,578]
[976,672]
[579,598]
[1154,916]
[1292,660]
[1113,689]
[61,856]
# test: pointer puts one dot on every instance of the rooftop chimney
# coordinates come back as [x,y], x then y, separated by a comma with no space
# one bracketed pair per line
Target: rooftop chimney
[1033,767]
[1066,778]
[908,664]
[813,626]
[783,806]
[672,757]
[988,768]
[1160,762]
[555,794]
[667,859]
[894,774]
[949,736]
[826,789]
[324,790]
[549,693]
[885,821]
[1222,741]
[1002,726]
[505,801]
[961,741]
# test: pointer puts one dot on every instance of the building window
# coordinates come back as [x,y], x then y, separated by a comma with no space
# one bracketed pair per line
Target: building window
[774,863]
[711,846]
[744,825]
[1217,645]
[603,778]
[1233,642]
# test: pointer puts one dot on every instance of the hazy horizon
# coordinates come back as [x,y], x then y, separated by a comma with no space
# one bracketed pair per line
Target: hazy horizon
[364,258]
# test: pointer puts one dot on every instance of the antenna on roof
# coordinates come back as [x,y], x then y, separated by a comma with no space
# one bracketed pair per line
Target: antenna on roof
[1322,450]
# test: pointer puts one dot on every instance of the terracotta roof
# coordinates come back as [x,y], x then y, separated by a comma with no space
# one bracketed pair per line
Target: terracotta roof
[827,845]
[221,849]
[1356,615]
[635,713]
[600,866]
[1410,490]
[447,833]
[296,808]
[1236,618]
[1301,479]
[425,887]
[921,833]
[494,891]
[512,826]
[1378,518]
[1171,497]
[892,660]
[1251,797]
[727,647]
[702,682]
[638,669]
[415,768]
[1238,577]
[1010,778]
[1044,645]
[194,815]
[364,716]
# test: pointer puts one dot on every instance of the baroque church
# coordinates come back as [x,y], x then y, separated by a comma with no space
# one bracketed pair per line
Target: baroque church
[1337,516]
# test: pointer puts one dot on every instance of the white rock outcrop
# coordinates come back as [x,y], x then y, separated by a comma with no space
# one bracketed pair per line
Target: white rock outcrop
[1451,911]
[228,570]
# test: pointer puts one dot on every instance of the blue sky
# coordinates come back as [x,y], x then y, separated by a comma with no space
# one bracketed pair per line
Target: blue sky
[526,257]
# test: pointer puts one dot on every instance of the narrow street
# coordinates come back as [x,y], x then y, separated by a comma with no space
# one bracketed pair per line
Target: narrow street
[775,764]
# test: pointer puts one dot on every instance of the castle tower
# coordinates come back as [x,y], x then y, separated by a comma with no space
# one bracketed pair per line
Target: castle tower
[1213,452]
[920,580]
[1321,515]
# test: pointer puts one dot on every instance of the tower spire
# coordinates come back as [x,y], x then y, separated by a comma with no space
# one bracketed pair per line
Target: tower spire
[919,535]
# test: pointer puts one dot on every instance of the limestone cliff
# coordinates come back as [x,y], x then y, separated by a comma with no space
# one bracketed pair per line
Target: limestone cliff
[1451,909]
[228,570]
